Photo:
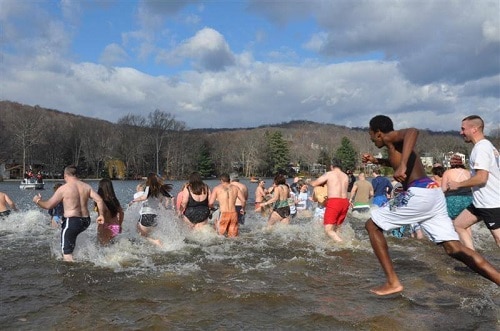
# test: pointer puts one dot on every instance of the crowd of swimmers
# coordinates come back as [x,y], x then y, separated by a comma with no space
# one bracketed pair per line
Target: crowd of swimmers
[443,207]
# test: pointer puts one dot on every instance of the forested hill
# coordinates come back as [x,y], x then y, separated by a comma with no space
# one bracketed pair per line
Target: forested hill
[157,141]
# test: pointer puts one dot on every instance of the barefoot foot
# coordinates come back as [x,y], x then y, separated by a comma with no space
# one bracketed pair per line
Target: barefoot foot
[387,289]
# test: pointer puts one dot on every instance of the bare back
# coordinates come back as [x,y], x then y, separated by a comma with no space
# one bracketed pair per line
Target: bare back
[75,196]
[336,183]
[226,195]
[243,189]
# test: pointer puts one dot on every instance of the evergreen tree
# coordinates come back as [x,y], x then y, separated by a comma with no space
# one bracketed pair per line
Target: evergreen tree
[347,154]
[278,152]
[206,166]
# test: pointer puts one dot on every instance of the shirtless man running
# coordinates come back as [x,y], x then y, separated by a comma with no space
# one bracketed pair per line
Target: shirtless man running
[75,196]
[337,204]
[6,202]
[422,201]
[226,194]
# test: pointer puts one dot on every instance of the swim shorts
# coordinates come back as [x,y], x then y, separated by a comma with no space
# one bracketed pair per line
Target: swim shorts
[114,228]
[379,200]
[71,228]
[228,221]
[5,213]
[426,206]
[490,216]
[241,216]
[284,212]
[457,203]
[148,220]
[335,211]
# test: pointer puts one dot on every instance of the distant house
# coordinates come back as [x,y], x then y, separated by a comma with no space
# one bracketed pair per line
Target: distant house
[448,156]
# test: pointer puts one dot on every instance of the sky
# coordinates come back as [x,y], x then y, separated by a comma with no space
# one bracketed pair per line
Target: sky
[246,63]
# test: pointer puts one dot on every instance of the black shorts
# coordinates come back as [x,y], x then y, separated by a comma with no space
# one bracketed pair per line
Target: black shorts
[70,229]
[490,216]
[197,214]
[284,212]
[148,220]
[5,213]
[241,216]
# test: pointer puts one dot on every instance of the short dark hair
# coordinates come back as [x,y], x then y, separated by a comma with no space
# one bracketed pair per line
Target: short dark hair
[381,123]
[336,162]
[477,120]
[225,178]
[70,170]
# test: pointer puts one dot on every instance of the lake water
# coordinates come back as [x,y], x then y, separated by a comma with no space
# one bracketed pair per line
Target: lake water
[289,278]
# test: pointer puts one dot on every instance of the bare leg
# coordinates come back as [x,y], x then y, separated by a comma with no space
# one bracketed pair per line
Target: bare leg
[496,235]
[332,233]
[462,225]
[381,250]
[472,259]
[68,257]
[273,218]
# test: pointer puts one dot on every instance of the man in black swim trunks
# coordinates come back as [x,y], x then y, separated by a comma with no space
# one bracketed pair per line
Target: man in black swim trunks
[75,196]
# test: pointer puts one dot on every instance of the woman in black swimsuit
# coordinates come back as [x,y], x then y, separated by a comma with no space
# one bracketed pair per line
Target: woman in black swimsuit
[194,206]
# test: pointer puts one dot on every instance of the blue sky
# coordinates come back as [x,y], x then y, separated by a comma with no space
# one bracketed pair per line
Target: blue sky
[230,64]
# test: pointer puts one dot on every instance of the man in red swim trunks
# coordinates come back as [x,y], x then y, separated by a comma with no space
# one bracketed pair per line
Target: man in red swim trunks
[337,204]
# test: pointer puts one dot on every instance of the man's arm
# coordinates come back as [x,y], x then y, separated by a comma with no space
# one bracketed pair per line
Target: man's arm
[52,202]
[242,198]
[319,181]
[409,139]
[100,205]
[213,197]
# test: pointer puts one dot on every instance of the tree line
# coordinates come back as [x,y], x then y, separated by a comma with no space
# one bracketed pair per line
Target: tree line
[156,142]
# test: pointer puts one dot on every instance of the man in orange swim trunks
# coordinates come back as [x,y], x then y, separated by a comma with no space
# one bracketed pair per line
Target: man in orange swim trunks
[226,194]
[337,204]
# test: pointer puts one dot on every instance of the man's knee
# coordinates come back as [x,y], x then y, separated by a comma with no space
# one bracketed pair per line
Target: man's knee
[371,226]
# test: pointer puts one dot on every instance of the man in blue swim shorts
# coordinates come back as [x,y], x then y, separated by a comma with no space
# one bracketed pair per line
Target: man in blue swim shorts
[422,202]
[75,196]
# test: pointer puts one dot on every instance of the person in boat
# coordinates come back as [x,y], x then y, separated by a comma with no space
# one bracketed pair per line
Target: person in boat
[337,203]
[75,196]
[6,203]
[111,226]
[422,201]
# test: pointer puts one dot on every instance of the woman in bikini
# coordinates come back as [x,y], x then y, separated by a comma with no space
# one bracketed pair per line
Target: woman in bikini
[113,213]
[194,206]
[281,209]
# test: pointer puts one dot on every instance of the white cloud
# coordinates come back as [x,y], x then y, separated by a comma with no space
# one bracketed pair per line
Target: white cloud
[207,49]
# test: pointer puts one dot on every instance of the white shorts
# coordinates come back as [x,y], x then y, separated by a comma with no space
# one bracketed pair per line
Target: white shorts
[425,206]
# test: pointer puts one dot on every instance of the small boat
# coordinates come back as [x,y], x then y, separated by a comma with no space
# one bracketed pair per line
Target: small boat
[31,184]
